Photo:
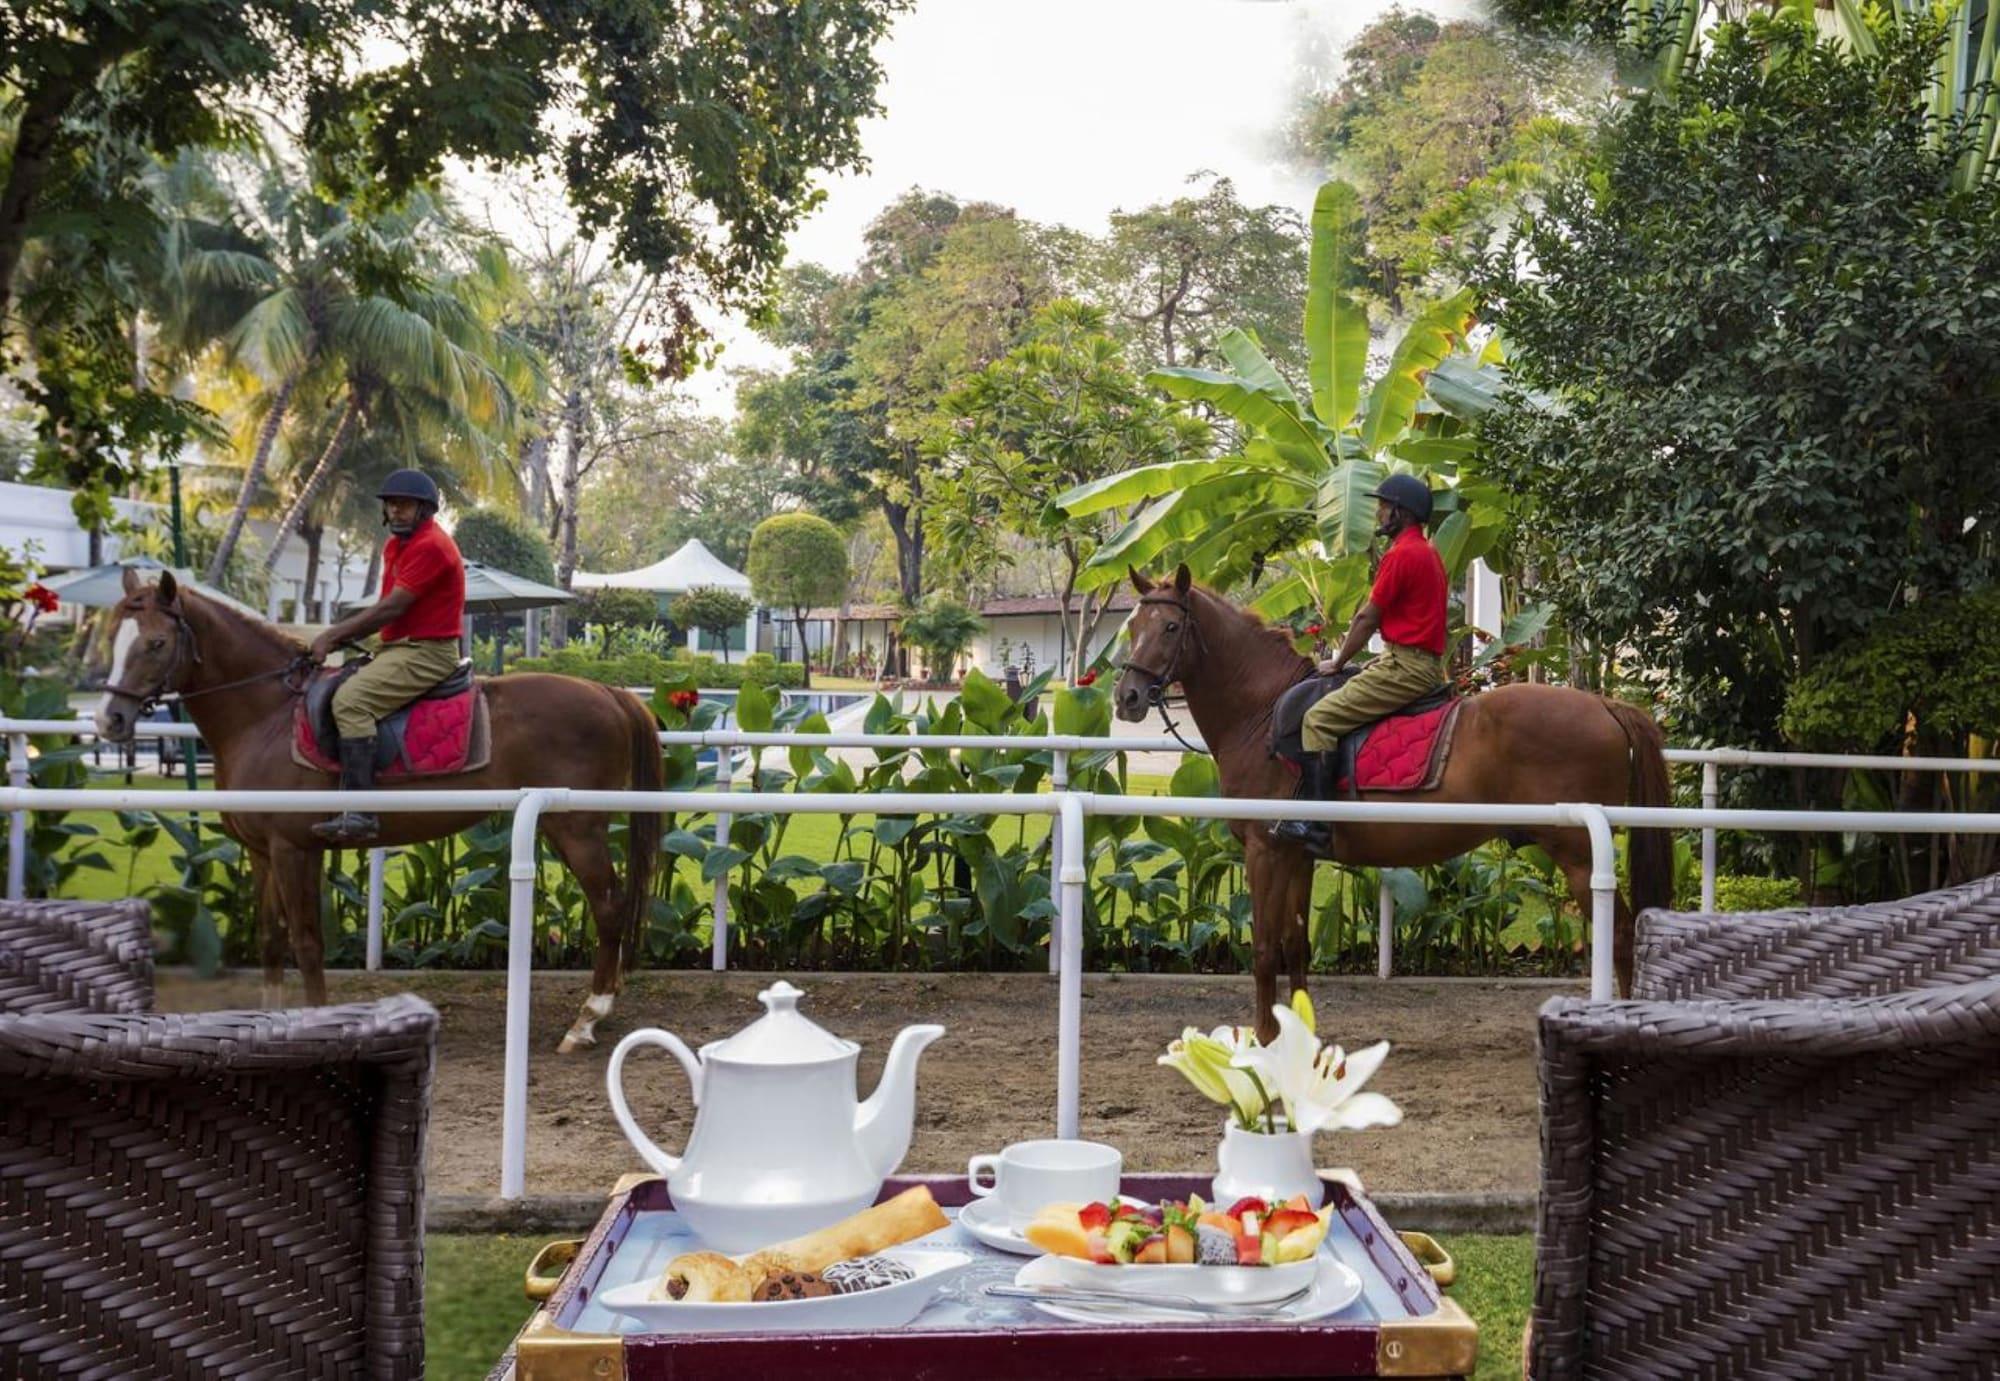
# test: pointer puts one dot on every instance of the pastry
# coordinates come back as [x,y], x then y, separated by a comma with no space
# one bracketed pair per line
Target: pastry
[866,1273]
[793,1285]
[709,1277]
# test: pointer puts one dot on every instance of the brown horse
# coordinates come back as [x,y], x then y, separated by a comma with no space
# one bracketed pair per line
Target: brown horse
[237,676]
[1522,744]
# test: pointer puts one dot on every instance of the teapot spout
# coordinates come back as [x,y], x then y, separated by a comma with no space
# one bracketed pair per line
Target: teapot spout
[882,1124]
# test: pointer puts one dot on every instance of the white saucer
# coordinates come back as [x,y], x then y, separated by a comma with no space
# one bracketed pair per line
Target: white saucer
[985,1221]
[1334,1288]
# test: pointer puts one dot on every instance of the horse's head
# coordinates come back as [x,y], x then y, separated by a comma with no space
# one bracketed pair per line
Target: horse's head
[1159,629]
[151,650]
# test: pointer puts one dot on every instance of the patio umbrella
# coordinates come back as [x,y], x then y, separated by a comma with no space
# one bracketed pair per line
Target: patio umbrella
[100,587]
[492,591]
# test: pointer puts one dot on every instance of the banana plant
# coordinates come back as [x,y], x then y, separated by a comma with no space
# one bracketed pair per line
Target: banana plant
[1294,491]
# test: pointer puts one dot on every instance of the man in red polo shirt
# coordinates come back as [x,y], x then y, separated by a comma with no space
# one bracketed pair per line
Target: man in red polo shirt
[419,614]
[1407,607]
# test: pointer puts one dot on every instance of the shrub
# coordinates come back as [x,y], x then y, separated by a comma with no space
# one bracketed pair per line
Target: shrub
[1735,892]
[1936,665]
[491,538]
[797,561]
[714,611]
[650,669]
[615,608]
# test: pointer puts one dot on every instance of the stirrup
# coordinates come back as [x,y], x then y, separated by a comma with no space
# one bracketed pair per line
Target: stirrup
[1313,834]
[349,828]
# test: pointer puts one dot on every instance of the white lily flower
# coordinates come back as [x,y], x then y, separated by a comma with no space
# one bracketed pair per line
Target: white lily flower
[1320,1086]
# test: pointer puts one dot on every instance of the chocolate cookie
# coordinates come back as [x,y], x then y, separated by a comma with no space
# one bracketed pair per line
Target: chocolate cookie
[867,1273]
[792,1285]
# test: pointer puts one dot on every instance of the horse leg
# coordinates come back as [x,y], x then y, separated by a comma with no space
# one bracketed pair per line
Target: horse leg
[296,872]
[1298,921]
[586,848]
[270,929]
[1270,887]
[1571,852]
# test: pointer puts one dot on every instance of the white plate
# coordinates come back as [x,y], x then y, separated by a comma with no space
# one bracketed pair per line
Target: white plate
[1205,1284]
[986,1222]
[1334,1287]
[891,1306]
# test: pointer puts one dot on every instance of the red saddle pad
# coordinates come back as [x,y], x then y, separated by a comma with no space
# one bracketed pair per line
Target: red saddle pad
[1406,752]
[437,738]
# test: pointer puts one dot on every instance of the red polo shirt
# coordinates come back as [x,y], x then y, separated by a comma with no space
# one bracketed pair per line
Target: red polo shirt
[1410,590]
[426,562]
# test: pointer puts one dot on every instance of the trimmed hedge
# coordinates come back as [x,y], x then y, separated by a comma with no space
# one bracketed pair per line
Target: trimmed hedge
[646,669]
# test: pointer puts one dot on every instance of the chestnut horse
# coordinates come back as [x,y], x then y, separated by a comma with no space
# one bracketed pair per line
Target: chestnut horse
[239,678]
[1521,744]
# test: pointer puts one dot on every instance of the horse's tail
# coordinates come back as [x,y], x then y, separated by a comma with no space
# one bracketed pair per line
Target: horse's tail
[642,836]
[1651,852]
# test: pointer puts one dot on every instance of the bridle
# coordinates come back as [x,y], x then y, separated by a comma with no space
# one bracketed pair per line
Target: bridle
[1156,693]
[188,653]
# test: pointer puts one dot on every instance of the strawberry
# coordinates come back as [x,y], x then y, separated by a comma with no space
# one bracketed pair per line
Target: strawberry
[1094,1217]
[1248,1205]
[1288,1219]
[1249,1251]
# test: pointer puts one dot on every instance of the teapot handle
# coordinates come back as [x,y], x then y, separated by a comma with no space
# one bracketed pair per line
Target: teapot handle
[614,1085]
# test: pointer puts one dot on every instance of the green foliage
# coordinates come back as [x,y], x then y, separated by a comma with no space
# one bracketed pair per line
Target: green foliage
[651,669]
[1761,330]
[944,628]
[505,543]
[614,608]
[797,561]
[713,611]
[1738,892]
[1930,675]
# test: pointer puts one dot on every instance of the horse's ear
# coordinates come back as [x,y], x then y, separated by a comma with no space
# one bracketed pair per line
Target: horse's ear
[1182,579]
[170,590]
[131,579]
[1139,581]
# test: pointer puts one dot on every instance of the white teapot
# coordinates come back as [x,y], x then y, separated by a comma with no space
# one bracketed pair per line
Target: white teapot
[782,1143]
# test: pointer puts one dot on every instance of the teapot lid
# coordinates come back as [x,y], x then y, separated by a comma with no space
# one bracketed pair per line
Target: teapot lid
[782,1036]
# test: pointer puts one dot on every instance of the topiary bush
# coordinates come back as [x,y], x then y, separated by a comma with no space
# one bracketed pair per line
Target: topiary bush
[1735,892]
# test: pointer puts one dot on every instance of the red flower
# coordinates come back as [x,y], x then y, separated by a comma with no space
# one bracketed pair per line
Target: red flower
[1089,678]
[1313,630]
[684,700]
[43,598]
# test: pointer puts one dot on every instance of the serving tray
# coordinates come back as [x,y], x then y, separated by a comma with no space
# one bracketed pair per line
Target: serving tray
[1401,1326]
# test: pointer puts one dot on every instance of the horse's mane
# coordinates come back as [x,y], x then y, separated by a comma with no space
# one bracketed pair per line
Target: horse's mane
[1259,631]
[259,629]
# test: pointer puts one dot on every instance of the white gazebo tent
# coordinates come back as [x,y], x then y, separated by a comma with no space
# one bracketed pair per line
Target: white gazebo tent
[693,566]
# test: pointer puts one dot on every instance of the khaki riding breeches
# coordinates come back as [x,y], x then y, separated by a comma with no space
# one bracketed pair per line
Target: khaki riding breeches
[401,672]
[1389,682]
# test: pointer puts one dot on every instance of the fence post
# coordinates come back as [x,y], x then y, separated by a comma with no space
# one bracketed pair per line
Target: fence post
[1603,897]
[520,965]
[375,858]
[1069,1003]
[17,821]
[1385,929]
[1059,779]
[724,771]
[1711,797]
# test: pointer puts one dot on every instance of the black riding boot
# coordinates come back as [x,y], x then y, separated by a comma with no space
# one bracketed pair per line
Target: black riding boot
[1315,784]
[357,773]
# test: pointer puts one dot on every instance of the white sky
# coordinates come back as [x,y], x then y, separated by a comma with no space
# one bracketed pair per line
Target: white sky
[1068,110]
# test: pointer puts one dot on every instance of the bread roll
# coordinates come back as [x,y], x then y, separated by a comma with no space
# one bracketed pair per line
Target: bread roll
[709,1277]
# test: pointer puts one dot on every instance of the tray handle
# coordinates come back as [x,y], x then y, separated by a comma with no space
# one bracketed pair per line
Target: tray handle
[545,1272]
[1432,1256]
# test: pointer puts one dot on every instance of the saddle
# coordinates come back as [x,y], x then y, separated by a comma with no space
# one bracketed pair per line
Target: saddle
[1403,751]
[444,730]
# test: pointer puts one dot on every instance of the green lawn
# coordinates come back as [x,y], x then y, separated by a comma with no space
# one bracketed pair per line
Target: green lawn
[473,1302]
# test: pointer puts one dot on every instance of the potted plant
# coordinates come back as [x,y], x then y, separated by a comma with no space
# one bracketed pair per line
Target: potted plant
[1278,1097]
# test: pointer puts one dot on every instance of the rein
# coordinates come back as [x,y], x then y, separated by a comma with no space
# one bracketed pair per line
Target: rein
[188,653]
[1156,694]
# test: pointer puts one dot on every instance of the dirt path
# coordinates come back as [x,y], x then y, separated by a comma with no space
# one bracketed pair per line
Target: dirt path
[1462,1068]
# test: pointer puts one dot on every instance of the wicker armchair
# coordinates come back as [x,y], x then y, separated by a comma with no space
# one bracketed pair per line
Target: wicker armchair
[1804,1187]
[221,1194]
[66,956]
[1939,938]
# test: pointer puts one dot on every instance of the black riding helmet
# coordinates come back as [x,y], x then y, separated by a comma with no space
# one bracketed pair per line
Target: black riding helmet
[409,484]
[1408,493]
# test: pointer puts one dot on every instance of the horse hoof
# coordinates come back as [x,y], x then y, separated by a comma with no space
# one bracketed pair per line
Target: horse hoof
[574,1042]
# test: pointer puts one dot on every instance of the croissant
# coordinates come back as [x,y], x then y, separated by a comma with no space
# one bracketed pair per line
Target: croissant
[709,1277]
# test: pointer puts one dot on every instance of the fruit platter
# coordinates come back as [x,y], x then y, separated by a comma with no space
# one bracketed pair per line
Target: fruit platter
[1125,1287]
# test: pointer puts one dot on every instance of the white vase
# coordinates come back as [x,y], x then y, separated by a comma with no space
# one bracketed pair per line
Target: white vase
[1272,1166]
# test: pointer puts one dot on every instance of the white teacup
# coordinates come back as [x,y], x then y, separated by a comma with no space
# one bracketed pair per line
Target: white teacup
[1029,1174]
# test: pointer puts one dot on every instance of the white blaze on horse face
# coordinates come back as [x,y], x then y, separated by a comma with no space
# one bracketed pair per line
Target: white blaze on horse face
[121,649]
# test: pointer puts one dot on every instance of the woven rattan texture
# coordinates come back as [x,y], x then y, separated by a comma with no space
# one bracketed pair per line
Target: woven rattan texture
[228,1194]
[1745,1188]
[66,956]
[1940,938]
